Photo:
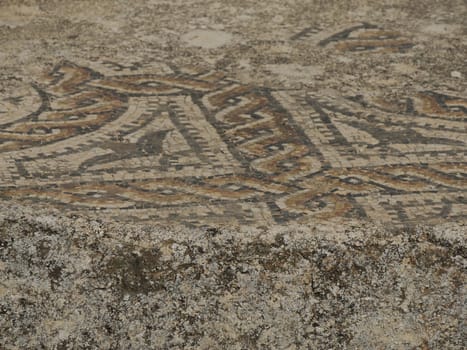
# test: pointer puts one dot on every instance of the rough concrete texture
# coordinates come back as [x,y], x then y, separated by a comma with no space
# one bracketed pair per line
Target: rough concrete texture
[233,174]
[71,283]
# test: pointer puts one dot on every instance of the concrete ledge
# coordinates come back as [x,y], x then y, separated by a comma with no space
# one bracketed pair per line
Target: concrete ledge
[74,282]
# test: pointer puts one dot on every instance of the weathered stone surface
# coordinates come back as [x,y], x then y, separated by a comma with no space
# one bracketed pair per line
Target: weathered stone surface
[78,283]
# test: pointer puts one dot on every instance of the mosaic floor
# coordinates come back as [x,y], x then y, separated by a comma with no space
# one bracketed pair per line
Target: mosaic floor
[150,140]
[202,148]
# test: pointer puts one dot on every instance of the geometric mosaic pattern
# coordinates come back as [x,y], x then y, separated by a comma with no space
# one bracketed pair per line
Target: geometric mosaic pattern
[198,148]
[357,38]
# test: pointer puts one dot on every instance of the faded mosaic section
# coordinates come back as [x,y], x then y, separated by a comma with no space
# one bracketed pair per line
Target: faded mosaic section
[155,142]
[136,139]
